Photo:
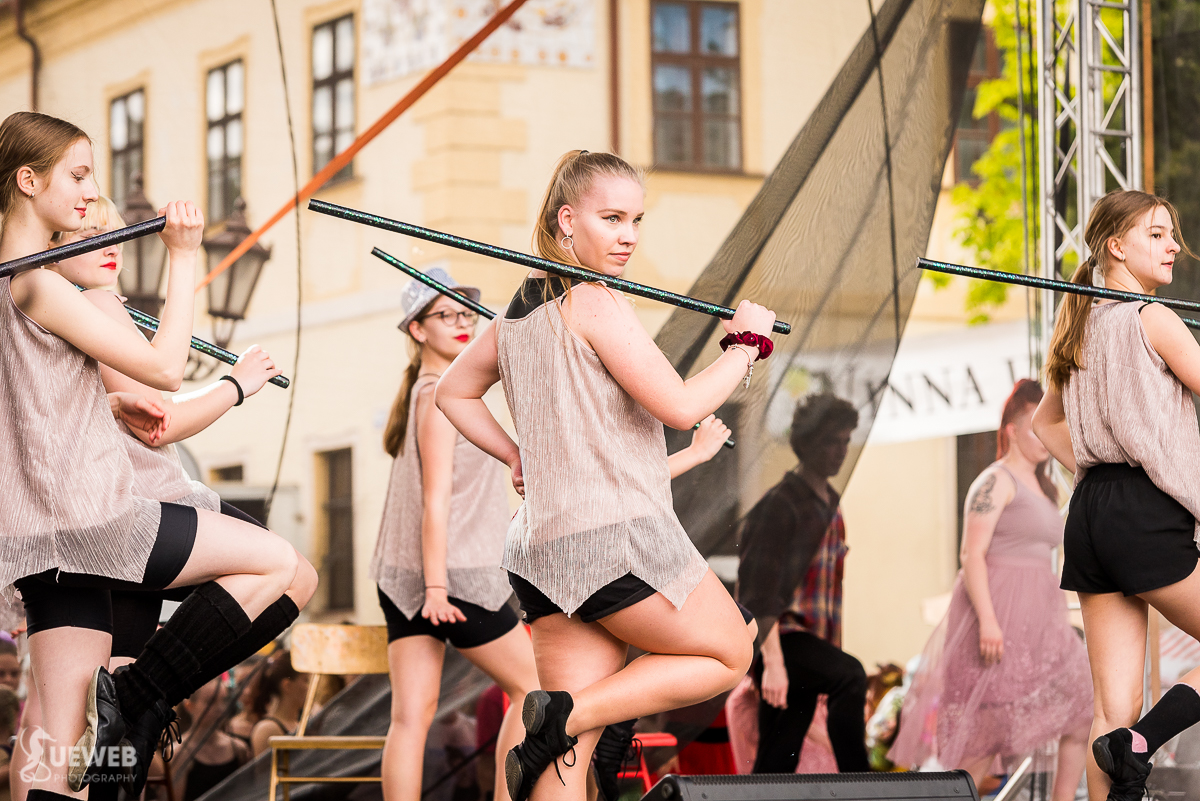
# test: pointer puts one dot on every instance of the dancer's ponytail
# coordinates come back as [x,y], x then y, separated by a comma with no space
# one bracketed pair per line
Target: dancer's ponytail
[397,424]
[1111,217]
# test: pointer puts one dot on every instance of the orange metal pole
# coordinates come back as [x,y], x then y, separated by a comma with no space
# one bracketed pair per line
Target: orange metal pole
[342,159]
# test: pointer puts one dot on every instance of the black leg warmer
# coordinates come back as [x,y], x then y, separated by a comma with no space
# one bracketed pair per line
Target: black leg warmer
[204,625]
[274,620]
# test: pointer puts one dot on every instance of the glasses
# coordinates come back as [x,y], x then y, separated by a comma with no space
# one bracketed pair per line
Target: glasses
[450,318]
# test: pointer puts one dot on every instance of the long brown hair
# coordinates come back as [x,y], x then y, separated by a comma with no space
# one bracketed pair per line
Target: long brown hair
[1026,395]
[397,424]
[1111,217]
[33,140]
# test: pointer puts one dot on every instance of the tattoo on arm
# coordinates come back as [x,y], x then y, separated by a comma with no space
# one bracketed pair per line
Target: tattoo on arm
[982,503]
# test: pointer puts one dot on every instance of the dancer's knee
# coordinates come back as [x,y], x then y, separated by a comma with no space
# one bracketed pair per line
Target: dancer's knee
[304,585]
[283,565]
[738,658]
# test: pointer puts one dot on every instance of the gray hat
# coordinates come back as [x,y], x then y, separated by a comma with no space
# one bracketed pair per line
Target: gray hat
[417,296]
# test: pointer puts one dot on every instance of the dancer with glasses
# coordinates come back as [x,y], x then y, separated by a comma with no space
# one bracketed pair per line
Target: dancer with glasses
[437,559]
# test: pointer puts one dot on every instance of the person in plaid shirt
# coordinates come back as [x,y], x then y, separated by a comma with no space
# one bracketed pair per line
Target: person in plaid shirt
[793,545]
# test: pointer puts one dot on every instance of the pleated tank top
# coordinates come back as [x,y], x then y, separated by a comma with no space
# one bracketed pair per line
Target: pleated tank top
[68,499]
[1127,407]
[158,473]
[597,487]
[475,531]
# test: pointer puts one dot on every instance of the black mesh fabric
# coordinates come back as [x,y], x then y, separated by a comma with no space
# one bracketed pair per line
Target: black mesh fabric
[817,246]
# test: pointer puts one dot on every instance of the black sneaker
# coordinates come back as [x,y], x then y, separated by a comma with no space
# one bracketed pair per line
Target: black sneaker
[156,727]
[613,749]
[105,728]
[545,717]
[1114,755]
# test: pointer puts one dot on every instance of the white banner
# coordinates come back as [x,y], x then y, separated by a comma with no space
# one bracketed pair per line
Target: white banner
[953,382]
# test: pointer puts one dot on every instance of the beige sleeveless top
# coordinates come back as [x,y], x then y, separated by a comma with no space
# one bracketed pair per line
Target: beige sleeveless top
[158,474]
[67,501]
[1127,407]
[597,487]
[479,516]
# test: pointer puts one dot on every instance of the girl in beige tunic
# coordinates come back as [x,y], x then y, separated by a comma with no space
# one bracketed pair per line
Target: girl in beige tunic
[70,525]
[596,555]
[437,559]
[1119,414]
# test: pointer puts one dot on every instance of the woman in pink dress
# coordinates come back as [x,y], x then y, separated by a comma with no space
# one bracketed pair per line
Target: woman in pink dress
[1004,672]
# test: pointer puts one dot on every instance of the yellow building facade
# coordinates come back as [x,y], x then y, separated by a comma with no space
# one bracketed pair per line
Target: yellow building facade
[191,93]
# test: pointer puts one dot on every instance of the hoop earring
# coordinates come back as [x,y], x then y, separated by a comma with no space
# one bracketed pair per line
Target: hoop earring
[566,242]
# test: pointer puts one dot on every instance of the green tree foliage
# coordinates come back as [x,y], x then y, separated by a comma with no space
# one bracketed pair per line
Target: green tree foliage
[988,206]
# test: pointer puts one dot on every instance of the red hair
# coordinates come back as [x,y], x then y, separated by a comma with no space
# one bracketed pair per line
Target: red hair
[1026,394]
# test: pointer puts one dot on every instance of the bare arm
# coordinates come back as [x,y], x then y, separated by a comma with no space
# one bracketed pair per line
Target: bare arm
[1050,426]
[606,321]
[989,494]
[53,303]
[460,393]
[1174,343]
[706,443]
[774,684]
[435,441]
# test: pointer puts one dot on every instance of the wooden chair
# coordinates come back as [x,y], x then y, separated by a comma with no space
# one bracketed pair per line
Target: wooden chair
[323,650]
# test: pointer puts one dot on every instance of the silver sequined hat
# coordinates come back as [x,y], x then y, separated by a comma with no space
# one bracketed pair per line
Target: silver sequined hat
[417,296]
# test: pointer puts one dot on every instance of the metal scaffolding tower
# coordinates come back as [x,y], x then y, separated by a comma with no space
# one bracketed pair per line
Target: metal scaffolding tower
[1089,123]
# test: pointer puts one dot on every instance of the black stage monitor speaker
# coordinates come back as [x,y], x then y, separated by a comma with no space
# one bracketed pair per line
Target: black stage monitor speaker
[809,787]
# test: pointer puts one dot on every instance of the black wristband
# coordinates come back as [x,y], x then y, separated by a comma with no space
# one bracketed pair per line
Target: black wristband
[237,386]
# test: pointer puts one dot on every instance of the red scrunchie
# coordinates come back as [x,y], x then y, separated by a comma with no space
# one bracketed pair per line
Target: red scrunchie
[764,344]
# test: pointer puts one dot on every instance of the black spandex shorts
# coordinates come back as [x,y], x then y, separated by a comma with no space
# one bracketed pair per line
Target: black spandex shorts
[54,598]
[482,626]
[1123,534]
[608,600]
[135,613]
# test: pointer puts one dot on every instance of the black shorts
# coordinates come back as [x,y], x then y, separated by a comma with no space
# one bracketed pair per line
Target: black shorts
[54,599]
[608,600]
[481,627]
[135,613]
[1123,534]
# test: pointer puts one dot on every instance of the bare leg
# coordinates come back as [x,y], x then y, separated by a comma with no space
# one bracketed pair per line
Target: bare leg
[979,769]
[1072,755]
[252,564]
[62,661]
[693,654]
[1180,604]
[509,661]
[415,665]
[23,763]
[570,656]
[1116,645]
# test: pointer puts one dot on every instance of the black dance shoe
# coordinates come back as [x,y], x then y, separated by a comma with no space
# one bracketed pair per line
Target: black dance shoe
[105,728]
[612,750]
[156,725]
[1114,755]
[545,717]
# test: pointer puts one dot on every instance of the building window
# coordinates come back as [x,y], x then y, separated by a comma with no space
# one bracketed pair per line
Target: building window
[226,475]
[973,136]
[696,75]
[332,91]
[126,126]
[337,567]
[225,96]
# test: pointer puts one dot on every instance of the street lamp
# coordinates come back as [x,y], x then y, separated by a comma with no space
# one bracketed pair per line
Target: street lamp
[229,292]
[144,257]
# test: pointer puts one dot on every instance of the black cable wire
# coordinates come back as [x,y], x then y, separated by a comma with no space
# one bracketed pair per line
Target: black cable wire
[287,105]
[887,153]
